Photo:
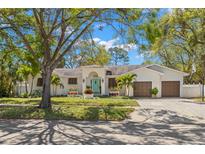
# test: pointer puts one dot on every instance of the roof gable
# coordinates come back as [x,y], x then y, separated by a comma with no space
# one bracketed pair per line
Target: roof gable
[160,68]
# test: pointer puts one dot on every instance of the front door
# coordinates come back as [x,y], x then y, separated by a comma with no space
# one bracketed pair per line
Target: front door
[95,86]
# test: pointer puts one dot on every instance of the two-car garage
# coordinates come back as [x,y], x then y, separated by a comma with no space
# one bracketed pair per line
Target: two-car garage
[168,81]
[168,89]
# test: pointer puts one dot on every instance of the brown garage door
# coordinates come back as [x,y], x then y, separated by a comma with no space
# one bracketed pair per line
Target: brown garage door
[142,89]
[170,88]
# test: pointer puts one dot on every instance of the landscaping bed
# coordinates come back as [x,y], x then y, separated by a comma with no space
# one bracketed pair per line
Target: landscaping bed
[68,108]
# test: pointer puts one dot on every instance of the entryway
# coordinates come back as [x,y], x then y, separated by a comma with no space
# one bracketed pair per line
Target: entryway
[96,86]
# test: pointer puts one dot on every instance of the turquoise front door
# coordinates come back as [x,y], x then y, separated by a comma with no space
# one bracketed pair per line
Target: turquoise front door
[95,86]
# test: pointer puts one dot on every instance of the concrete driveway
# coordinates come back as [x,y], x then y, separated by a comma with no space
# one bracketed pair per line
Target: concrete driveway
[157,121]
[181,106]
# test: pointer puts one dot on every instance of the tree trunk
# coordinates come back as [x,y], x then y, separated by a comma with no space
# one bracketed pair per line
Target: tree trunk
[26,87]
[56,90]
[10,89]
[20,89]
[31,86]
[126,90]
[46,96]
[202,91]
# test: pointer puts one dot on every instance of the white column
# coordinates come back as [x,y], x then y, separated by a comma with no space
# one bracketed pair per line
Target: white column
[103,86]
[84,84]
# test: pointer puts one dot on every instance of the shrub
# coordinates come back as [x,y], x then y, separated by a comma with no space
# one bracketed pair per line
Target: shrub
[88,87]
[154,91]
[73,89]
[24,95]
[88,91]
[36,93]
[114,89]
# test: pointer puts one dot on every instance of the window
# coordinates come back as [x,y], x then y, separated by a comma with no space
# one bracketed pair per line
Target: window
[72,80]
[39,82]
[108,73]
[112,83]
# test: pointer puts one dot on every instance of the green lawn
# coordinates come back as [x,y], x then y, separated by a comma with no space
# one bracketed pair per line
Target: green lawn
[71,108]
[73,101]
[198,100]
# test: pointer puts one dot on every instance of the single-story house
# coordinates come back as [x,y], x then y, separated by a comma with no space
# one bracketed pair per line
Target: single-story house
[101,79]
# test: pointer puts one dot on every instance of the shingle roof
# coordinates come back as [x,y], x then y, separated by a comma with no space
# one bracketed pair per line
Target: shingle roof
[117,70]
[68,72]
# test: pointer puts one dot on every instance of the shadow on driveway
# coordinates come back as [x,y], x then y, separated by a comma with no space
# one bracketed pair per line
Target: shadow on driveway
[162,127]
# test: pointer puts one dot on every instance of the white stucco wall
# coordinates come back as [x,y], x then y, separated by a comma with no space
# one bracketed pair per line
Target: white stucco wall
[170,75]
[59,90]
[67,86]
[144,74]
[101,73]
[193,90]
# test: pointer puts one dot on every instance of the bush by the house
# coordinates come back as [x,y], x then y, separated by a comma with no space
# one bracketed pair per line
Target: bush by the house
[36,93]
[88,91]
[24,95]
[154,91]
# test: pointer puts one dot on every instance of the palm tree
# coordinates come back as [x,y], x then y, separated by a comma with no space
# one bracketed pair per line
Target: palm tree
[24,72]
[55,81]
[126,80]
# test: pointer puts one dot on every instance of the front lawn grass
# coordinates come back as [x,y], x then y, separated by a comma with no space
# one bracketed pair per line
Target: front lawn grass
[69,108]
[66,113]
[198,100]
[73,101]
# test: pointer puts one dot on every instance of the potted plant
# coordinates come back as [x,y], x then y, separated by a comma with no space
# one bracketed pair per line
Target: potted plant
[88,93]
[114,91]
[73,91]
[154,92]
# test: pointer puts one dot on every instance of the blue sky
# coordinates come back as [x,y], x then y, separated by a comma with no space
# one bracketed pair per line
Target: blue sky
[105,37]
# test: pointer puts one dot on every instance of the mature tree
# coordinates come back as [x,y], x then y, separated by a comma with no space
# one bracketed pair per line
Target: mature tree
[55,30]
[126,80]
[49,34]
[72,59]
[177,39]
[118,56]
[8,66]
[93,55]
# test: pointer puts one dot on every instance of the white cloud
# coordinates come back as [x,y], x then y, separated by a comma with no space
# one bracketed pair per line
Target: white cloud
[139,56]
[99,26]
[114,43]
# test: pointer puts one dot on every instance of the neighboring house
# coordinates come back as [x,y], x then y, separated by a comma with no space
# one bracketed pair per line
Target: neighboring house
[102,78]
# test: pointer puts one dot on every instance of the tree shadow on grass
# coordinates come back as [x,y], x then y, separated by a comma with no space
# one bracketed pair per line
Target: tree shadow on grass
[164,127]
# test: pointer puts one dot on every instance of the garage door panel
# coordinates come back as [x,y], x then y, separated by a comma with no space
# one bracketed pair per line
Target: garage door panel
[142,89]
[170,88]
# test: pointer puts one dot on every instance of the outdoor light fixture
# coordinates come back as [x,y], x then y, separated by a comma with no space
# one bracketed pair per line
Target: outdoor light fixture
[102,80]
[83,80]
